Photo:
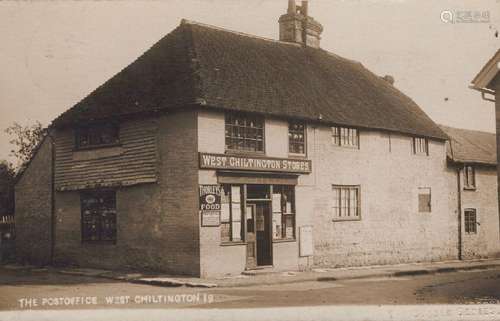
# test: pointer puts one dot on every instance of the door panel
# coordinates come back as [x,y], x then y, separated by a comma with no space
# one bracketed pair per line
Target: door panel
[250,236]
[263,233]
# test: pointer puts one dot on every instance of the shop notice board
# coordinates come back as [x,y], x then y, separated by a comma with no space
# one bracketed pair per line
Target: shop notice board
[306,247]
[210,205]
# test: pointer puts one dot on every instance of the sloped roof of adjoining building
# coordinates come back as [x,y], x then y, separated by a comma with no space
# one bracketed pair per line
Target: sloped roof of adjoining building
[209,67]
[483,80]
[471,146]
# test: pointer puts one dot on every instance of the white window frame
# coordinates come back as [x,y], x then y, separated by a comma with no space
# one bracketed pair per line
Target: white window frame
[345,137]
[342,206]
[420,146]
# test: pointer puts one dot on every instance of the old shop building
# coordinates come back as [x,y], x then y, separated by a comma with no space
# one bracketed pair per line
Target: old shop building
[216,152]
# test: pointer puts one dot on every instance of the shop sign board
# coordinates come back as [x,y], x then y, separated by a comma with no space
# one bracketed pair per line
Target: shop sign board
[210,204]
[267,164]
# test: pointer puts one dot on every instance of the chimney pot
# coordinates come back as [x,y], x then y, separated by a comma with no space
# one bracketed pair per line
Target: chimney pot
[292,8]
[304,8]
[300,28]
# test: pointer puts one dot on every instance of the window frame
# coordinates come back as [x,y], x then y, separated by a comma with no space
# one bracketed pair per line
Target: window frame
[430,199]
[96,126]
[358,205]
[257,117]
[468,222]
[426,145]
[244,199]
[242,203]
[338,139]
[284,214]
[100,232]
[290,152]
[467,185]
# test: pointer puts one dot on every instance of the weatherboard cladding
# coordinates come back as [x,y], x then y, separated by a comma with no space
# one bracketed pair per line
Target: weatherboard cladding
[215,68]
[135,163]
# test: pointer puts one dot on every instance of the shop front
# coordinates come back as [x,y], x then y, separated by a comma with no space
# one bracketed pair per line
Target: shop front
[253,204]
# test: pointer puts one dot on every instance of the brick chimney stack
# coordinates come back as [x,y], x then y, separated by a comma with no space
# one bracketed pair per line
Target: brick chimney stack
[297,26]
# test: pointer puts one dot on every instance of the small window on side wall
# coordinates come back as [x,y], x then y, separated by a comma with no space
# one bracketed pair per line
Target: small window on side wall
[97,135]
[424,199]
[469,177]
[297,138]
[470,220]
[420,146]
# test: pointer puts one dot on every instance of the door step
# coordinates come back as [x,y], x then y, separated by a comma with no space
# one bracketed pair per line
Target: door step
[260,270]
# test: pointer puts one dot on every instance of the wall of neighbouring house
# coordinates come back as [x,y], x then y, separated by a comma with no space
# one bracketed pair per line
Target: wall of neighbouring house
[157,222]
[34,208]
[496,85]
[486,242]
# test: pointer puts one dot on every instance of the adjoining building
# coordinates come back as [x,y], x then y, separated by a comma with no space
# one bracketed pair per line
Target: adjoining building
[217,151]
[487,82]
[472,161]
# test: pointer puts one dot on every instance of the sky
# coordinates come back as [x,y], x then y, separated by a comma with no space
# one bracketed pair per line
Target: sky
[52,54]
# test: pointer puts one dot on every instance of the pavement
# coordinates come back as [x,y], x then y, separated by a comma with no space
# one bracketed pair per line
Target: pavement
[271,277]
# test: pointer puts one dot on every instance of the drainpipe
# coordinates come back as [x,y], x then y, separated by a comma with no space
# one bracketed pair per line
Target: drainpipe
[459,199]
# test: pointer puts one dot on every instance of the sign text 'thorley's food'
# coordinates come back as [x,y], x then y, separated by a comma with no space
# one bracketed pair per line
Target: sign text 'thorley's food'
[221,161]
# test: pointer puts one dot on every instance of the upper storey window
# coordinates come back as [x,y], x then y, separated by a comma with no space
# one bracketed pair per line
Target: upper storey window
[97,135]
[297,138]
[469,177]
[244,132]
[420,146]
[347,137]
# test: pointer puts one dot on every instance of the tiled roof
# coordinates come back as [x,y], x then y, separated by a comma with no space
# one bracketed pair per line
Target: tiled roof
[215,68]
[471,146]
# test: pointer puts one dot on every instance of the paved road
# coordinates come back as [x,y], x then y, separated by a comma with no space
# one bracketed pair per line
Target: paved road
[45,290]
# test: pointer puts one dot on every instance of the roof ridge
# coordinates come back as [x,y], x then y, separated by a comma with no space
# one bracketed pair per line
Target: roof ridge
[196,23]
[466,129]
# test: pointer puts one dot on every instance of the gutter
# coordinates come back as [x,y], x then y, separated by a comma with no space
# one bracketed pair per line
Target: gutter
[484,92]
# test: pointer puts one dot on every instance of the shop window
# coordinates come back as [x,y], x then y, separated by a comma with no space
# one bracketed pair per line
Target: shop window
[231,213]
[347,137]
[97,135]
[420,146]
[424,200]
[470,219]
[244,132]
[98,216]
[297,138]
[469,177]
[346,203]
[283,212]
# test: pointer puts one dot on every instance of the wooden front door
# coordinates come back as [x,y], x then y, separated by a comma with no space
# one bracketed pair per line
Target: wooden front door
[264,233]
[251,238]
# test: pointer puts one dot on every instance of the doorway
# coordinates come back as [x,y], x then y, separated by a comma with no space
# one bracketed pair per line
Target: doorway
[258,226]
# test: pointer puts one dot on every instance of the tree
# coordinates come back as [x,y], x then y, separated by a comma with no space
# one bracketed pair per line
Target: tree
[25,139]
[7,174]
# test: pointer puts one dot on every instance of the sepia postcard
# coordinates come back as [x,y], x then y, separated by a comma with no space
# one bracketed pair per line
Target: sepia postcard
[249,160]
